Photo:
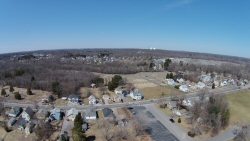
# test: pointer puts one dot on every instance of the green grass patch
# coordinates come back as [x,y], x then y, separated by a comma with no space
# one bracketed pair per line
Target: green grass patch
[239,106]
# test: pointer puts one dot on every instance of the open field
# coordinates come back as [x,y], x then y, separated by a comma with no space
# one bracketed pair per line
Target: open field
[239,106]
[156,92]
[37,95]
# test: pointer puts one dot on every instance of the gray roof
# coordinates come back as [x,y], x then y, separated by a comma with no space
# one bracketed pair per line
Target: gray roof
[72,111]
[84,126]
[74,96]
[15,110]
[20,122]
[29,111]
[90,112]
[107,112]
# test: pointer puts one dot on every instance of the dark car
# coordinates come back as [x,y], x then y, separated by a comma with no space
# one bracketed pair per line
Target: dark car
[171,120]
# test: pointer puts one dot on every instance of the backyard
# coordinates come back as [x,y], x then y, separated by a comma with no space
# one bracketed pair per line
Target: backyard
[156,92]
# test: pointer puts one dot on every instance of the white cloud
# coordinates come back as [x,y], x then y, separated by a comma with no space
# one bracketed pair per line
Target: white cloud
[179,3]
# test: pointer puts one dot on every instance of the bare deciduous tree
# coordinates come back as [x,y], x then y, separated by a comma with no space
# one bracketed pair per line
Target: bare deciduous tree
[106,129]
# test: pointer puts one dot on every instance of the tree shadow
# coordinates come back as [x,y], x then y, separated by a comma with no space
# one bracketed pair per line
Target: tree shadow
[90,138]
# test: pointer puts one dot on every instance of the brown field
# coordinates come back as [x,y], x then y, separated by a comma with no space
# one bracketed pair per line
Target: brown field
[37,95]
[156,92]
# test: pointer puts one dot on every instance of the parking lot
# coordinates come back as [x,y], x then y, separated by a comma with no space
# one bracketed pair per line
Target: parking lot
[154,128]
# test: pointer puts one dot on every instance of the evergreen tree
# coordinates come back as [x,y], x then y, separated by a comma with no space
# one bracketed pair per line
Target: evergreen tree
[32,79]
[77,132]
[17,96]
[213,86]
[171,75]
[29,92]
[3,92]
[179,120]
[11,89]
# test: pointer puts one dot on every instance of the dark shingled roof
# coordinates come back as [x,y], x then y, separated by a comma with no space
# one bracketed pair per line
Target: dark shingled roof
[29,111]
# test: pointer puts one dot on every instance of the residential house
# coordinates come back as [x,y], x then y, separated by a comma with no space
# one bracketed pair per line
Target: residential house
[46,98]
[188,102]
[92,100]
[90,113]
[118,91]
[108,113]
[105,97]
[171,104]
[223,83]
[231,82]
[27,114]
[42,113]
[180,80]
[15,111]
[180,112]
[170,82]
[206,78]
[200,85]
[71,114]
[245,81]
[29,127]
[20,123]
[73,98]
[93,85]
[55,114]
[124,93]
[11,122]
[184,88]
[135,94]
[117,98]
[216,83]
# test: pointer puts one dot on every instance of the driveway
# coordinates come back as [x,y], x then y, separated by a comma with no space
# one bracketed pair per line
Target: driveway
[67,126]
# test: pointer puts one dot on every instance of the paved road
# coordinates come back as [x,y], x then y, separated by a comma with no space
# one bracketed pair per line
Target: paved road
[164,119]
[226,135]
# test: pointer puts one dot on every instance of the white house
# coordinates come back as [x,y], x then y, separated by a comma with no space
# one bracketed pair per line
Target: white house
[170,82]
[206,78]
[135,94]
[223,83]
[188,102]
[27,114]
[92,100]
[180,112]
[184,88]
[117,91]
[200,85]
[71,114]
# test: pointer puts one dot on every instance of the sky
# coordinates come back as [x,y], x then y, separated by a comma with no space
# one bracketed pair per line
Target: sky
[209,26]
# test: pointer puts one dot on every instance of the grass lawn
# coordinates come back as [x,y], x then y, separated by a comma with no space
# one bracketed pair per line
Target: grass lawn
[60,102]
[3,133]
[166,110]
[17,135]
[120,111]
[156,92]
[239,106]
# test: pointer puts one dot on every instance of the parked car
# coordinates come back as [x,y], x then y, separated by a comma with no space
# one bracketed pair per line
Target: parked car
[172,120]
